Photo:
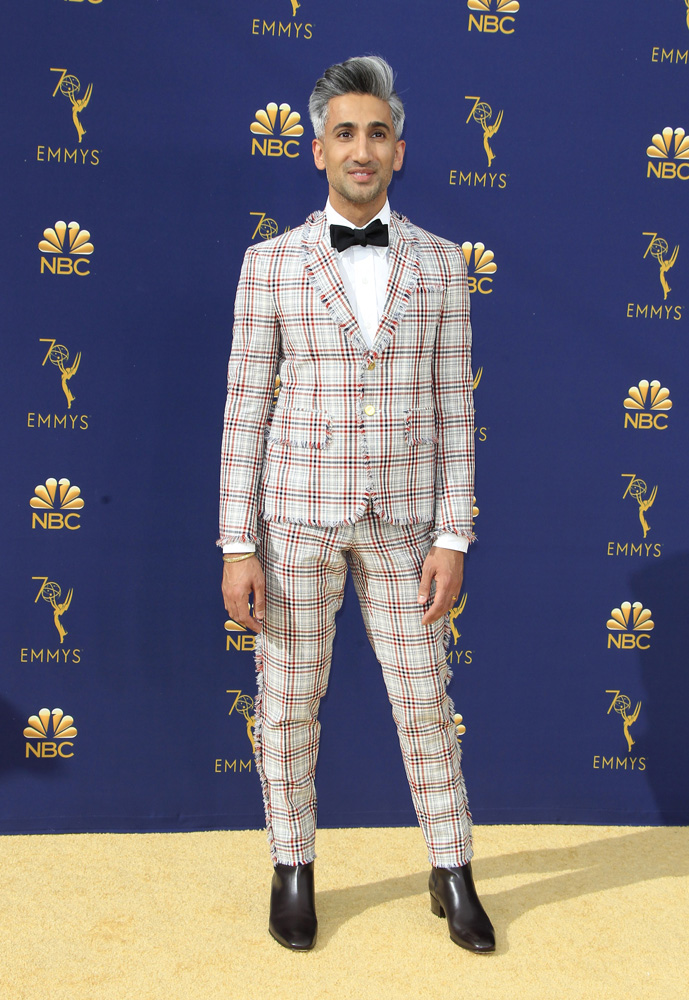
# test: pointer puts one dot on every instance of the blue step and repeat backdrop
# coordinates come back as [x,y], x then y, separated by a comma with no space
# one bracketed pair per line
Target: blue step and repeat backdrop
[148,142]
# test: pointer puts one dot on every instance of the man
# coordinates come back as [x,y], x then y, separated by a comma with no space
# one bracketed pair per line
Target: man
[366,462]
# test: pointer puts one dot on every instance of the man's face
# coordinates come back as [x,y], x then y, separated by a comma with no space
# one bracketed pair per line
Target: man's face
[359,153]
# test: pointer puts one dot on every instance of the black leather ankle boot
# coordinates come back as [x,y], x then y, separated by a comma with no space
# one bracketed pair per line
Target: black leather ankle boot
[293,920]
[453,895]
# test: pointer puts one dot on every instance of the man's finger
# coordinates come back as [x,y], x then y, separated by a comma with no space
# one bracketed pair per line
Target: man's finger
[425,584]
[259,602]
[438,608]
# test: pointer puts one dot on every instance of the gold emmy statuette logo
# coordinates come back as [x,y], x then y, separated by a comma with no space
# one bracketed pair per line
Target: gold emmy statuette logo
[666,147]
[267,124]
[621,704]
[626,620]
[58,355]
[687,6]
[69,86]
[78,245]
[477,377]
[482,113]
[480,264]
[657,248]
[649,403]
[489,22]
[52,499]
[638,489]
[244,705]
[266,228]
[295,7]
[82,1]
[458,655]
[454,614]
[39,729]
[50,592]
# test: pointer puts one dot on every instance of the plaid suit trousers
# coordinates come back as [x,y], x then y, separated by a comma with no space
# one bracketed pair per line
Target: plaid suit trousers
[305,569]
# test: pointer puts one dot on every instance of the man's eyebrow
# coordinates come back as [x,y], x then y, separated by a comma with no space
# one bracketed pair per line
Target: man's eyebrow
[352,125]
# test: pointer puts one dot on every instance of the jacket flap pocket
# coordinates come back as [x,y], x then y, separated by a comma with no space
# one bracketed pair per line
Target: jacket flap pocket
[419,426]
[301,428]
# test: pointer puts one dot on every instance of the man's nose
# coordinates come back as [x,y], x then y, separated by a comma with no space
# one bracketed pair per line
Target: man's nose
[362,153]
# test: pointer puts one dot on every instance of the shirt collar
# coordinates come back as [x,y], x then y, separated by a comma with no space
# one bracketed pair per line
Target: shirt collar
[334,218]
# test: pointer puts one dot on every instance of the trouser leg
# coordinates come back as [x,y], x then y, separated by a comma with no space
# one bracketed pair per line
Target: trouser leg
[386,562]
[305,575]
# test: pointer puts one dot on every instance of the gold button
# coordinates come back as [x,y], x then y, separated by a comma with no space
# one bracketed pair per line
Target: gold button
[371,365]
[369,410]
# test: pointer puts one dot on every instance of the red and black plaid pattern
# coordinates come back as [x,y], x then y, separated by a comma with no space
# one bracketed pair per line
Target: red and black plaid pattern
[305,570]
[393,423]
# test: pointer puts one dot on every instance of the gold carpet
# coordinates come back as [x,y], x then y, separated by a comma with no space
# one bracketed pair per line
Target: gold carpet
[581,913]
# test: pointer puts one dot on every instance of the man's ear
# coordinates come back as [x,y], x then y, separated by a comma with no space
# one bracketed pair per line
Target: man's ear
[400,147]
[317,147]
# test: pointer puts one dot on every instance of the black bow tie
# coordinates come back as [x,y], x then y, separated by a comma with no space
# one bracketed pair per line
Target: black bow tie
[375,234]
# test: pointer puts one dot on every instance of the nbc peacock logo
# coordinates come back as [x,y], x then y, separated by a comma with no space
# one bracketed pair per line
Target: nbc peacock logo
[492,16]
[70,244]
[50,500]
[480,266]
[647,406]
[628,626]
[38,731]
[668,155]
[278,128]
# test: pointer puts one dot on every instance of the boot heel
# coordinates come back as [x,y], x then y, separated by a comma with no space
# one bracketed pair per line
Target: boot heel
[436,907]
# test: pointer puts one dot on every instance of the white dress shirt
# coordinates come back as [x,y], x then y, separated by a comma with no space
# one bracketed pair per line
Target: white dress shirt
[364,273]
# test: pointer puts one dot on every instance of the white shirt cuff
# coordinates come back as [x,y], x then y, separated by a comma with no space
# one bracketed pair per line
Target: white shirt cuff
[450,541]
[238,547]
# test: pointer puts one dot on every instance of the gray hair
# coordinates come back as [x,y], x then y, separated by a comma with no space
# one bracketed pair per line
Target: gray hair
[360,75]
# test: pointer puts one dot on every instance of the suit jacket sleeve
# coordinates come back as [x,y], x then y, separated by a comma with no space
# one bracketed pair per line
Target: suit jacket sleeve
[453,388]
[250,386]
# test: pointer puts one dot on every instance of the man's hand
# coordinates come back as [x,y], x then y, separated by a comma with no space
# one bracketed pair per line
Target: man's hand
[239,580]
[446,567]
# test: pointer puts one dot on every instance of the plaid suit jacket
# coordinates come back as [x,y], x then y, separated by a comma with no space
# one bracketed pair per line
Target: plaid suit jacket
[391,424]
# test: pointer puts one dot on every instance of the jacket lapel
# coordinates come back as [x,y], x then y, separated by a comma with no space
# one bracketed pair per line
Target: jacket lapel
[323,272]
[403,277]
